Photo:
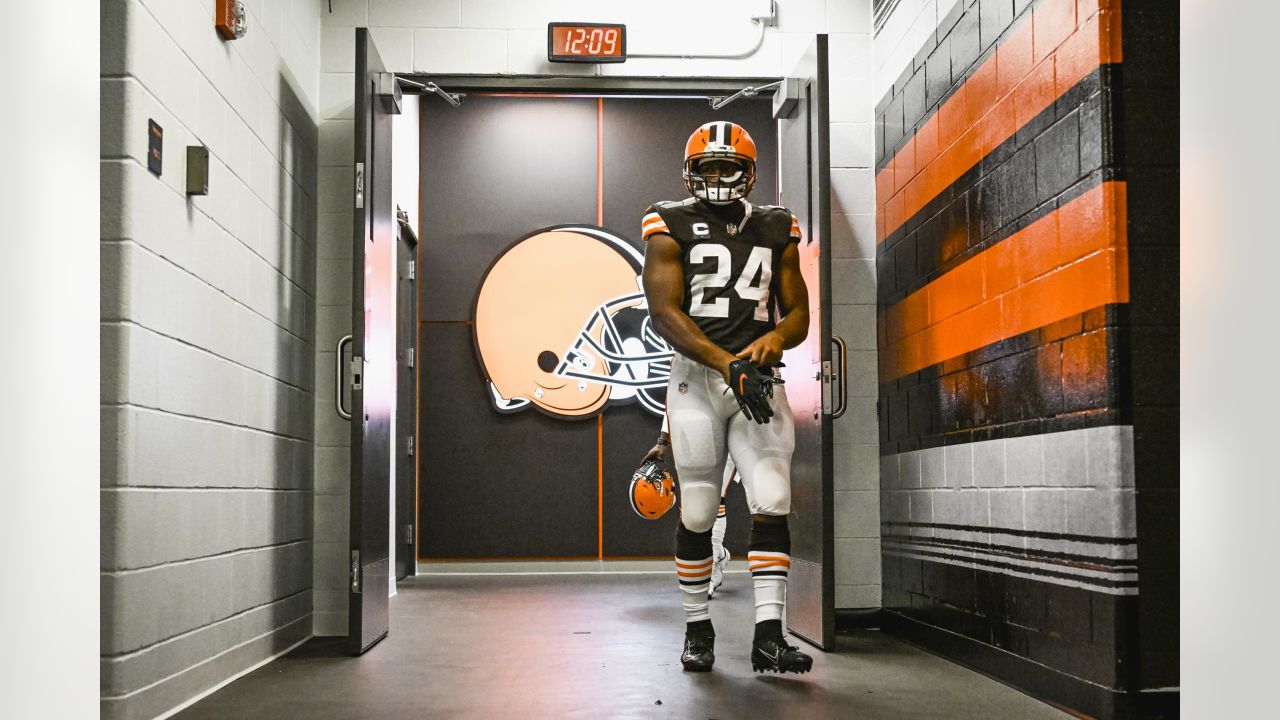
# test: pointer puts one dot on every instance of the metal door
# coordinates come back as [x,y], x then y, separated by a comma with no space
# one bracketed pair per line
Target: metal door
[406,397]
[804,187]
[373,362]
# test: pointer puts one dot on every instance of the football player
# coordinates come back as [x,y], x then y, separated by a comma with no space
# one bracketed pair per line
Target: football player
[723,284]
[719,553]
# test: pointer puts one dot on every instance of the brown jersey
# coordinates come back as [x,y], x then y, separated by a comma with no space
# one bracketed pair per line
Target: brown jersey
[730,260]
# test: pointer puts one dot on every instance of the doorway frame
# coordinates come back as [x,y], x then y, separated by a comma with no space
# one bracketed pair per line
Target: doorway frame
[580,85]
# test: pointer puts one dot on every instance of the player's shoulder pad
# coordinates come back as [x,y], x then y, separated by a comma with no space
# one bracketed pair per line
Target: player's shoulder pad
[771,209]
[780,220]
[655,219]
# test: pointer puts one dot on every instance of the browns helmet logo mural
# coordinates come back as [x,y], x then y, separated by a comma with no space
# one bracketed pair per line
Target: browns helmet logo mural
[561,325]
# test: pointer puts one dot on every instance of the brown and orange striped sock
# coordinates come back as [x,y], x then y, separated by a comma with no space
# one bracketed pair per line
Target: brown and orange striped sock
[769,559]
[693,570]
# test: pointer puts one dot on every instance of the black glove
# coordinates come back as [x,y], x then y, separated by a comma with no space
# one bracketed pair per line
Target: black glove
[752,386]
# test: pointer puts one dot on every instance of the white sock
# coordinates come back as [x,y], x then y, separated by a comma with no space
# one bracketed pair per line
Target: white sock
[769,575]
[695,580]
[717,532]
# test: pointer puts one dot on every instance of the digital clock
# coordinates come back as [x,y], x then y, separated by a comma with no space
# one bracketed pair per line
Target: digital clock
[586,42]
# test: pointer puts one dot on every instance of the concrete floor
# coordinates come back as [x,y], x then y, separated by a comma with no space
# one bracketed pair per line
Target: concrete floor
[595,646]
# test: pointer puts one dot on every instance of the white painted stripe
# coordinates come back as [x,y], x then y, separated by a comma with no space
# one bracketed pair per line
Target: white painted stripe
[1064,566]
[980,559]
[1020,574]
[1103,551]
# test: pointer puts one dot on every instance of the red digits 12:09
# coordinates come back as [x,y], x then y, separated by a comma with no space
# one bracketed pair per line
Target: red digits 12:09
[590,41]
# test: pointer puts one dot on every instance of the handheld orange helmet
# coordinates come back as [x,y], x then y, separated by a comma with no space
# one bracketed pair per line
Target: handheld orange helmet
[720,140]
[653,490]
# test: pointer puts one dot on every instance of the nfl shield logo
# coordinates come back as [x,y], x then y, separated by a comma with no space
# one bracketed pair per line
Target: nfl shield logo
[731,229]
[683,387]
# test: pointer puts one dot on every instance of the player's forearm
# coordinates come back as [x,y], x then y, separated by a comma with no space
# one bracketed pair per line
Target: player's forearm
[690,341]
[793,328]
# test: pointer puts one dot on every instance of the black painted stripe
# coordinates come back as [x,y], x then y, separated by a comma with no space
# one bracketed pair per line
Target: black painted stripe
[959,223]
[1046,556]
[1037,534]
[958,78]
[1100,582]
[1028,384]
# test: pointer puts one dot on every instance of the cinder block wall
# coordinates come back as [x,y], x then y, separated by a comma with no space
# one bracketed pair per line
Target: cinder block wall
[208,347]
[509,37]
[1012,507]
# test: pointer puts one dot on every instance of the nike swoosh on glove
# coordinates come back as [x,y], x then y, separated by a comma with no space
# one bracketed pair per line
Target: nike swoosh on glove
[753,388]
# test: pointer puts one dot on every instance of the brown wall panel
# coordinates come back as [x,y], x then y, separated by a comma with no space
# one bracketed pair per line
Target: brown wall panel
[492,485]
[495,169]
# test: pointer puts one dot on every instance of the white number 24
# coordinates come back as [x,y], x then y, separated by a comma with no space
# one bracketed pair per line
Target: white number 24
[760,261]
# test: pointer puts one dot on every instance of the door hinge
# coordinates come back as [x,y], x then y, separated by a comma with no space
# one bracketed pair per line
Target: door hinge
[357,373]
[359,185]
[406,534]
[413,269]
[408,357]
[355,570]
[409,445]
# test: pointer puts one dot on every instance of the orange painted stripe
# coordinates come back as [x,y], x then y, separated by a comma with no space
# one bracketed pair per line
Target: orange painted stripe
[1040,59]
[600,161]
[600,486]
[1072,260]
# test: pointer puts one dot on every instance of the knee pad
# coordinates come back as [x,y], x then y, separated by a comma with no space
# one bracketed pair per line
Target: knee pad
[699,505]
[693,438]
[771,487]
[770,533]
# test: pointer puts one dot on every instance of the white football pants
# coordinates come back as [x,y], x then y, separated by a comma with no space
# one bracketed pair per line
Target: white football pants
[707,426]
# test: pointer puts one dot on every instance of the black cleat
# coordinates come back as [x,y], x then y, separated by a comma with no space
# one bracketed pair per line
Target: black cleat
[773,654]
[699,652]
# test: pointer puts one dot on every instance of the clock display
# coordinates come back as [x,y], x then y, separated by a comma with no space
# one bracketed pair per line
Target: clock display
[586,42]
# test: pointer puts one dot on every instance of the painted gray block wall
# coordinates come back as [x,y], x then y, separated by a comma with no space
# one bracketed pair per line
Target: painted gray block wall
[208,347]
[508,37]
[1018,494]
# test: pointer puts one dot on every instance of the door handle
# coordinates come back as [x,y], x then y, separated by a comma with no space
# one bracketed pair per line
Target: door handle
[337,378]
[838,343]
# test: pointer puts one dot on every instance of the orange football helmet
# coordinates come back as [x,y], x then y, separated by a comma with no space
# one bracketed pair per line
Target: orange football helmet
[561,325]
[653,490]
[720,140]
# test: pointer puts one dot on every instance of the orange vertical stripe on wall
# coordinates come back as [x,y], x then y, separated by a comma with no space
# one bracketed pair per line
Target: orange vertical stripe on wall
[600,486]
[600,161]
[600,418]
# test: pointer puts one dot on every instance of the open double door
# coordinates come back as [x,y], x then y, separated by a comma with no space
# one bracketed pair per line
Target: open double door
[376,364]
